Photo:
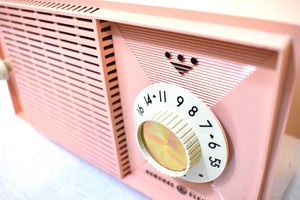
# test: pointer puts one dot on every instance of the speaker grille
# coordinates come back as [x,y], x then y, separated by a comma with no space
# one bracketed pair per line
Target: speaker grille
[208,68]
[63,64]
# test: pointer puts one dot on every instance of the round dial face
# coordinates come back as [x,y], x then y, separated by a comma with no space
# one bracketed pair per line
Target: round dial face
[178,134]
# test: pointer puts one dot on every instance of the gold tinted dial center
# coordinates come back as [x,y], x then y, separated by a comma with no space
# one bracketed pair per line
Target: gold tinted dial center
[164,146]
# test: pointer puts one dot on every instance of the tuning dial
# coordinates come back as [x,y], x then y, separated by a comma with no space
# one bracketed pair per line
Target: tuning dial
[178,134]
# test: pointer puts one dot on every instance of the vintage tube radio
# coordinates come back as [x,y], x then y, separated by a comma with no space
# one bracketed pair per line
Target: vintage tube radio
[177,101]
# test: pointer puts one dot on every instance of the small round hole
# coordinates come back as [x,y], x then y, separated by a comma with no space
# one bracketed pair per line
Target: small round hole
[194,61]
[167,54]
[180,57]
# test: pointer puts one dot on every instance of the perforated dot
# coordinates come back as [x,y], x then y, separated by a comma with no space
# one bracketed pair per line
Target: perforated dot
[194,61]
[167,54]
[180,57]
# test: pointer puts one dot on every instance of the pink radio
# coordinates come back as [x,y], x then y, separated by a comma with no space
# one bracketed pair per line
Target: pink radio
[177,101]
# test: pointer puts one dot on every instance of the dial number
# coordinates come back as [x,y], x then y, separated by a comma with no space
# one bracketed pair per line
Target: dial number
[214,162]
[208,125]
[180,101]
[140,109]
[162,96]
[193,111]
[148,100]
[213,145]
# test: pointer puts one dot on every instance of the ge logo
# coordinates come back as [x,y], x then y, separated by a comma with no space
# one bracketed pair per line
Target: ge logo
[182,190]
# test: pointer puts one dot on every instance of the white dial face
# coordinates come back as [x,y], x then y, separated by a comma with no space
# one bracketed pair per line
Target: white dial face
[152,106]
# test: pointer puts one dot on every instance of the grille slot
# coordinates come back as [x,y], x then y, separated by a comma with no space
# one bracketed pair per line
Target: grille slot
[66,78]
[112,86]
